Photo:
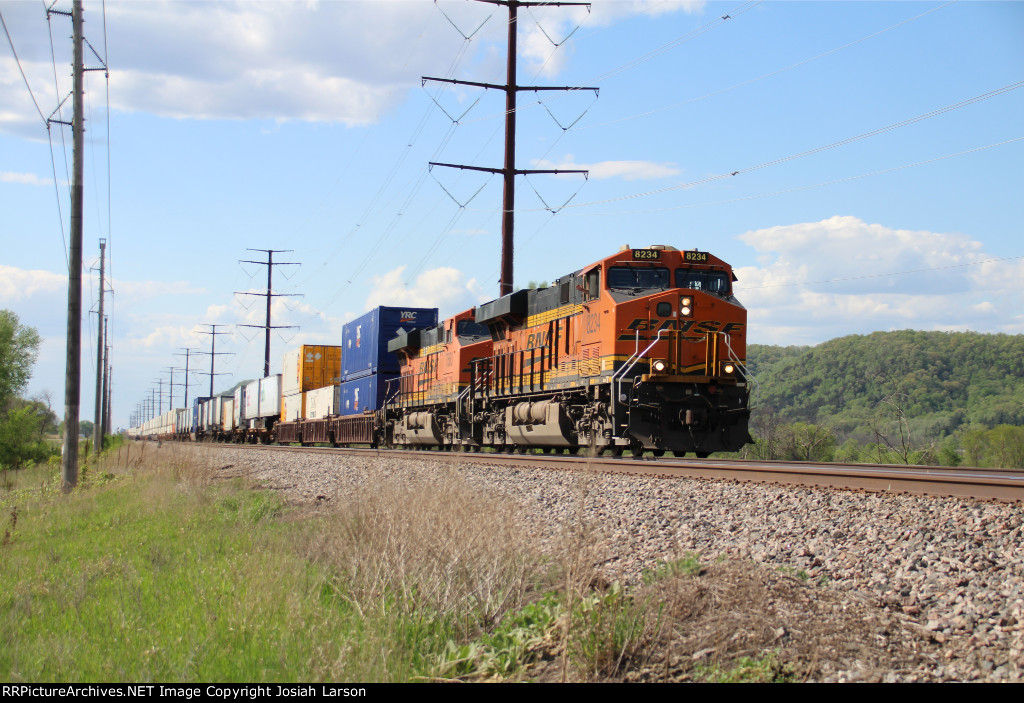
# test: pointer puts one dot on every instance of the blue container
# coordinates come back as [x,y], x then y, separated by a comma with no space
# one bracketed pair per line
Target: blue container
[364,341]
[366,393]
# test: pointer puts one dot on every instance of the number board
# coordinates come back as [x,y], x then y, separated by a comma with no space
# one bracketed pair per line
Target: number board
[699,256]
[646,254]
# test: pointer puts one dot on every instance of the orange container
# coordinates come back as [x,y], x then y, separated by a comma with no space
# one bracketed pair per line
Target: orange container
[310,366]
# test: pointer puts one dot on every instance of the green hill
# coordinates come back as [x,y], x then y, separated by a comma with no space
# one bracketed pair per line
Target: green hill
[936,384]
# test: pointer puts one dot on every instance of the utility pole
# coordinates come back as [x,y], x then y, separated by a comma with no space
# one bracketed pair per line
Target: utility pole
[107,387]
[109,391]
[187,352]
[73,361]
[509,171]
[213,352]
[101,360]
[171,385]
[160,396]
[73,373]
[270,295]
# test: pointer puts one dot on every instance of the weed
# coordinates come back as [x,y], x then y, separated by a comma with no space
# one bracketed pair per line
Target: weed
[798,573]
[609,629]
[689,565]
[746,670]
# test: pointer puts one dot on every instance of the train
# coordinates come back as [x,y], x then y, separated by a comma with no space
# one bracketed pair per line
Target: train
[642,351]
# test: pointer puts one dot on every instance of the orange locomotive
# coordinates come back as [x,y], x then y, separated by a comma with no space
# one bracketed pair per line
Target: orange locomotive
[643,350]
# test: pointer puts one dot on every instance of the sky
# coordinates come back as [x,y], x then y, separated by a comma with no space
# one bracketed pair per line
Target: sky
[857,163]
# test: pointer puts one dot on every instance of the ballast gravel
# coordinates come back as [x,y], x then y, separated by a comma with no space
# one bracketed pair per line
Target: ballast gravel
[950,570]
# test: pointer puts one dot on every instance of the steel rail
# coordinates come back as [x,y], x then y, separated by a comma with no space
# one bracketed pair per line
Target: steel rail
[1004,485]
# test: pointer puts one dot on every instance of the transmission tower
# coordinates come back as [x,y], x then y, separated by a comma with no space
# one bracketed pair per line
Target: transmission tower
[270,295]
[509,171]
[213,353]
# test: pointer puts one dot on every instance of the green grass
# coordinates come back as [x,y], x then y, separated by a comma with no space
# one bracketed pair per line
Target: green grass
[114,585]
[688,565]
[746,670]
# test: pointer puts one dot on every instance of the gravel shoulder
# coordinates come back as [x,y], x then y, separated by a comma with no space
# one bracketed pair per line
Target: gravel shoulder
[849,586]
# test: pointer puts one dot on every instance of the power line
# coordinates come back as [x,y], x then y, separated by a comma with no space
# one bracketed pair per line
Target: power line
[809,187]
[809,152]
[18,61]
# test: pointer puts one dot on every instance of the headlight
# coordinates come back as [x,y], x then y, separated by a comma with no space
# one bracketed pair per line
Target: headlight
[686,305]
[659,366]
[729,368]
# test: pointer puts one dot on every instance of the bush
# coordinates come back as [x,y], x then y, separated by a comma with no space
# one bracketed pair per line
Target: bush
[18,446]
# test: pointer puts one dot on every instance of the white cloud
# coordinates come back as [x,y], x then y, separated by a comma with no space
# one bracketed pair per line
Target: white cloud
[30,179]
[445,288]
[819,280]
[628,170]
[19,284]
[542,28]
[346,62]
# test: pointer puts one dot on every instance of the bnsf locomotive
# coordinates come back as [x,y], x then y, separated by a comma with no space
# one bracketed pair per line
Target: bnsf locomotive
[643,350]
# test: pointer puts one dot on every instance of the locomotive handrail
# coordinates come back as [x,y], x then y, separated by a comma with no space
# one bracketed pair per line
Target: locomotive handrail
[739,364]
[630,363]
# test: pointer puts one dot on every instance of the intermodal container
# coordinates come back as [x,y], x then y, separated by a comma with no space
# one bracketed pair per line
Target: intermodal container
[228,419]
[364,341]
[197,406]
[310,366]
[270,396]
[251,400]
[320,403]
[238,411]
[293,407]
[367,393]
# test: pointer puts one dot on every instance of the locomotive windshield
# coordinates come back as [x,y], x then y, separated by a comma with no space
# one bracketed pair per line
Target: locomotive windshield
[709,281]
[639,278]
[470,331]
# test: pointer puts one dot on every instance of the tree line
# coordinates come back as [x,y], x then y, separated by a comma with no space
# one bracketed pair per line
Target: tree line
[912,397]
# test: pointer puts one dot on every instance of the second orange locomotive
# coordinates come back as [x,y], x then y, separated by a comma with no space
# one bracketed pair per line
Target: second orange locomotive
[643,350]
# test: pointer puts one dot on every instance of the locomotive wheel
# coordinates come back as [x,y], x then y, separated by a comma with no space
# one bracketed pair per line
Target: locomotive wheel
[679,453]
[572,450]
[703,455]
[658,452]
[636,449]
[547,450]
[616,449]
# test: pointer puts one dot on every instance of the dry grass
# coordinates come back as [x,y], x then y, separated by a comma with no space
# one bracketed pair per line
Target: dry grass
[429,542]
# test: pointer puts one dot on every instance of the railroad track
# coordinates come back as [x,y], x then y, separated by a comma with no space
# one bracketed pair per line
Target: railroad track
[1004,485]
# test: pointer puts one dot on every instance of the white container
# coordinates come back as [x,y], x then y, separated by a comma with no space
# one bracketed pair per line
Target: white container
[269,396]
[227,413]
[251,400]
[320,403]
[293,407]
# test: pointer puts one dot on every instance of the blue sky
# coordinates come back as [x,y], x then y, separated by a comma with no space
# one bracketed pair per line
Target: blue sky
[876,149]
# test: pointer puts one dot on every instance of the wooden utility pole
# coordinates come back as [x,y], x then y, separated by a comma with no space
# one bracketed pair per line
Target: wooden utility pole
[270,295]
[73,373]
[509,171]
[101,360]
